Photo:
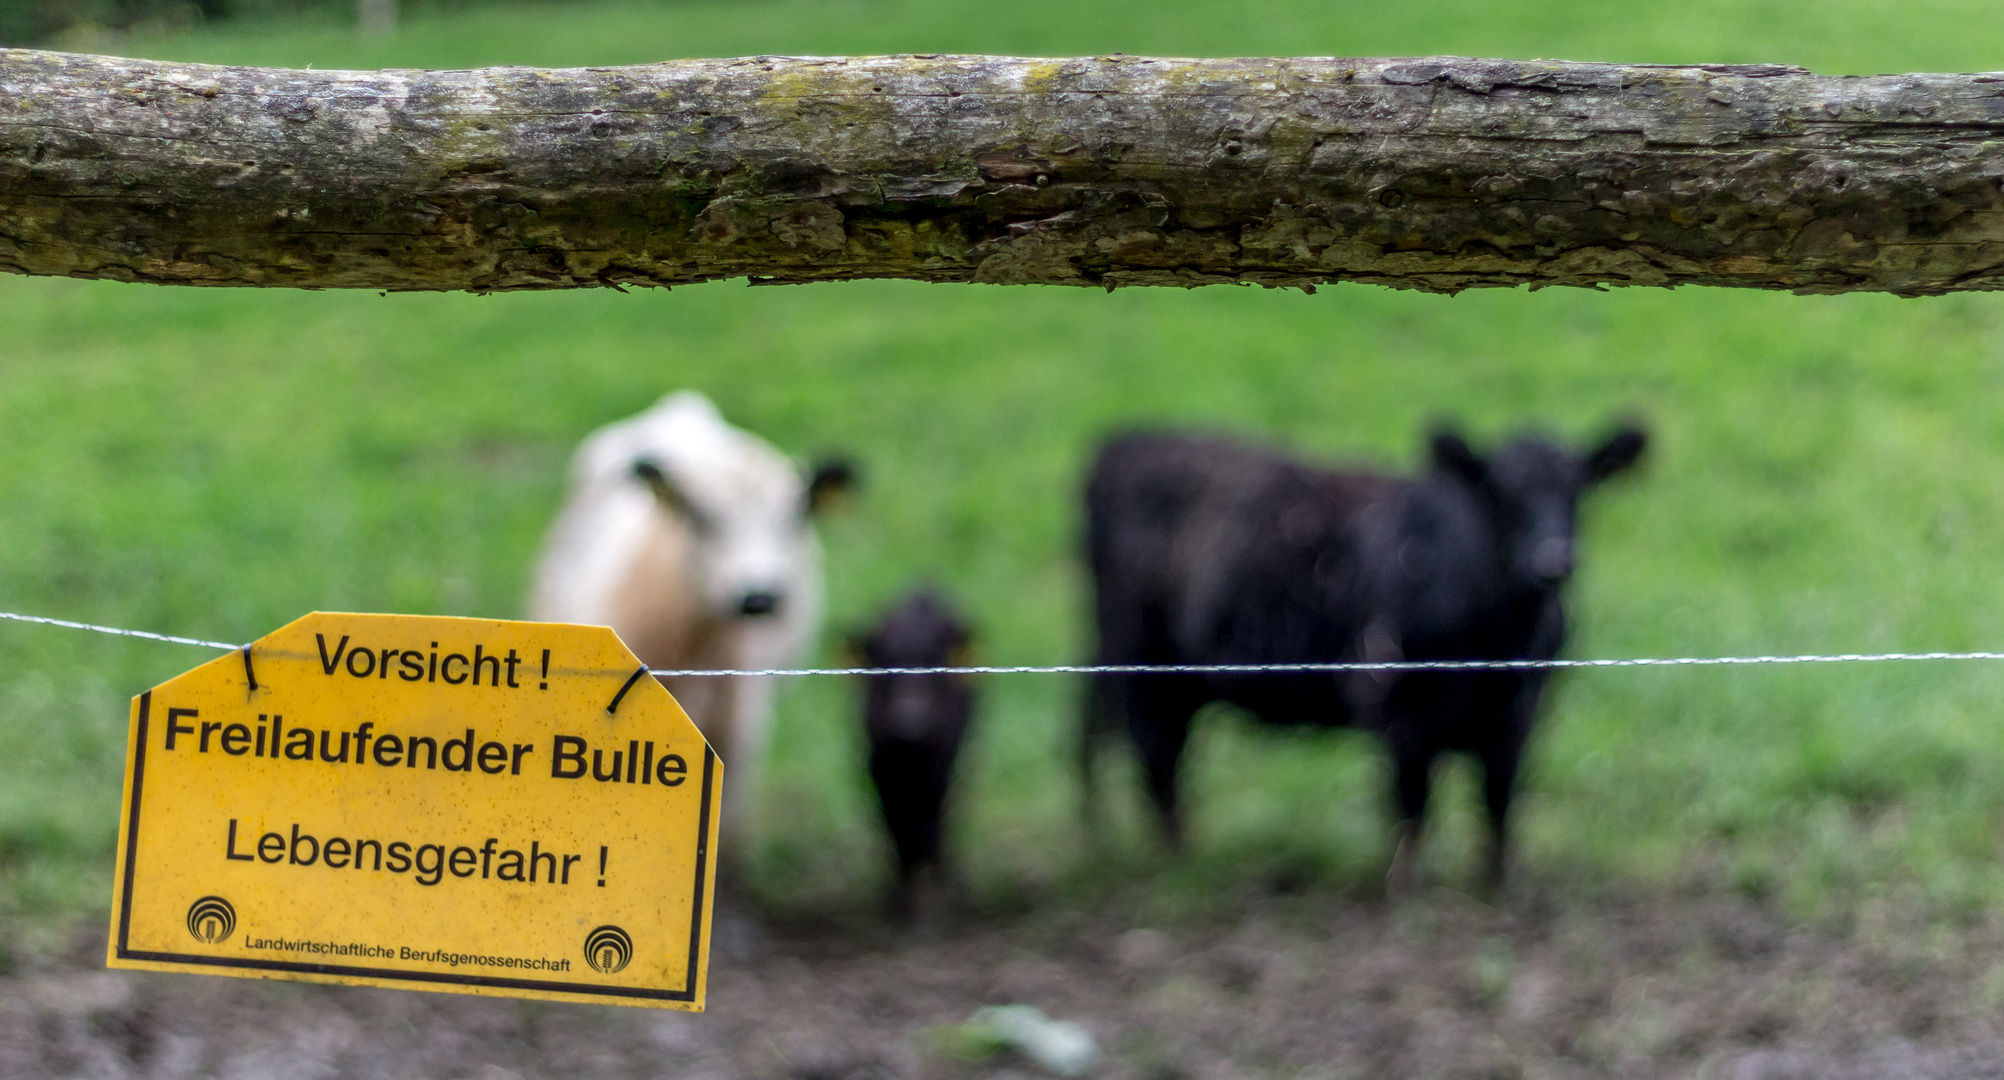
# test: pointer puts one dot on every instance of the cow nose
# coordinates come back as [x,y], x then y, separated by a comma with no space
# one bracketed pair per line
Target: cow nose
[759,603]
[1553,559]
[911,709]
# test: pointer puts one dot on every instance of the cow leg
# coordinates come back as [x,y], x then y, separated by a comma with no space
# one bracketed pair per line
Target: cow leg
[1499,784]
[1412,765]
[714,704]
[1099,716]
[911,790]
[1159,709]
[911,808]
[1499,773]
[747,712]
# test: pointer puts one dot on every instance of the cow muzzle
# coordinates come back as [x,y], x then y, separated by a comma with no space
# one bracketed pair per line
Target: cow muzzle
[763,602]
[1552,560]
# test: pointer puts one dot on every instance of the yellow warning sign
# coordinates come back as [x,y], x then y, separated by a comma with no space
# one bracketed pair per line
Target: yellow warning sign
[466,805]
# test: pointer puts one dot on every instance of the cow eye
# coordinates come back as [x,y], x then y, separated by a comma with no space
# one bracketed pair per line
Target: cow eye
[699,519]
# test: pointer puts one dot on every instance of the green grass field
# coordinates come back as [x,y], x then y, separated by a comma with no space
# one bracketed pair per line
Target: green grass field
[1826,477]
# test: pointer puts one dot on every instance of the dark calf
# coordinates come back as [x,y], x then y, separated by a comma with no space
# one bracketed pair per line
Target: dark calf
[1209,551]
[915,725]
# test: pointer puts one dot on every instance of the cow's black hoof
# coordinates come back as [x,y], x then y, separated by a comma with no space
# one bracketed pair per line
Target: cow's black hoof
[1402,879]
[1495,884]
[924,901]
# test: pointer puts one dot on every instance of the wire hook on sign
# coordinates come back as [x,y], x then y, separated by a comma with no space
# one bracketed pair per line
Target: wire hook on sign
[1172,669]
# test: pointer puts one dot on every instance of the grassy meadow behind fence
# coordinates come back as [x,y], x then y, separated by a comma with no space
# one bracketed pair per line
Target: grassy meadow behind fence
[1826,477]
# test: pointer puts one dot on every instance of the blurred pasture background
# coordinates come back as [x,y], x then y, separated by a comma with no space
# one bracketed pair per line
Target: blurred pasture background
[1828,475]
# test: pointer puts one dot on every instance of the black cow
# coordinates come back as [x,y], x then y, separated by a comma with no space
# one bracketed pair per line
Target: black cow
[915,725]
[1209,551]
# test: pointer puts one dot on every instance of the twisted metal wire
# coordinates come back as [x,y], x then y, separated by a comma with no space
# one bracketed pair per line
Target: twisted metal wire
[93,627]
[1170,669]
[1356,665]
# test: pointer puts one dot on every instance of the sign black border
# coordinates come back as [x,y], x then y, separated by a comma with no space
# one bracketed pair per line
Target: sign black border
[392,974]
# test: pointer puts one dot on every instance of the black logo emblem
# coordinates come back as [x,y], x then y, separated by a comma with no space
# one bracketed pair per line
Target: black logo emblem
[608,949]
[211,920]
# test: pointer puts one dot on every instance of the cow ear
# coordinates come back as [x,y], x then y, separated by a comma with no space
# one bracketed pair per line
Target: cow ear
[1452,454]
[663,487]
[1618,453]
[833,479]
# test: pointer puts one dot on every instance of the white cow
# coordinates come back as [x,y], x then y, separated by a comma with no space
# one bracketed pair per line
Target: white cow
[692,539]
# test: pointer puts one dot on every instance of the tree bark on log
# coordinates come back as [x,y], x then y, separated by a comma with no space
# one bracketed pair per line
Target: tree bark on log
[1438,174]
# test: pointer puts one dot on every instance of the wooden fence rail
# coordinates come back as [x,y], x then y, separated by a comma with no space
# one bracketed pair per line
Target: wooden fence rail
[1438,174]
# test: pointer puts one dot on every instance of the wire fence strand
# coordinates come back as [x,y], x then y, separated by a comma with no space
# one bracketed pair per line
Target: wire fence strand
[94,628]
[1170,669]
[1337,666]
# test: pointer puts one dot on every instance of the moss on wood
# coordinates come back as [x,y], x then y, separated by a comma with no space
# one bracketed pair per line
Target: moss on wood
[1432,173]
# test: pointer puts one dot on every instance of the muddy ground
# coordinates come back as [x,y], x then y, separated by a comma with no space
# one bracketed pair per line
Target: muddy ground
[1440,986]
